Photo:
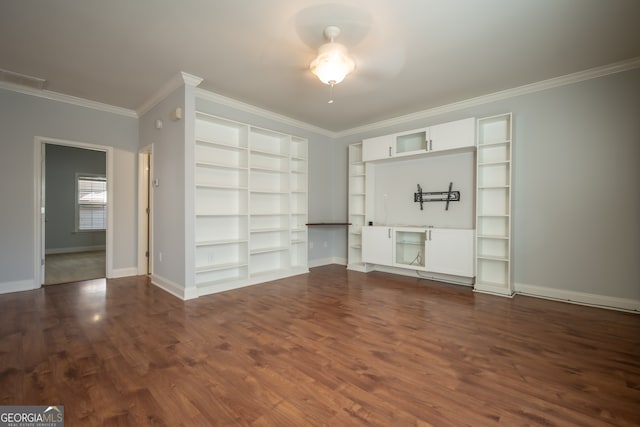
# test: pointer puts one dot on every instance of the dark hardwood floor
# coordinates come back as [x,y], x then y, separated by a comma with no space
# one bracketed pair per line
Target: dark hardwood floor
[334,348]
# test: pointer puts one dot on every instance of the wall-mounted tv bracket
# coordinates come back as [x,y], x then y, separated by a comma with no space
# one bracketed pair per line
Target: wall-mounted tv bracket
[436,196]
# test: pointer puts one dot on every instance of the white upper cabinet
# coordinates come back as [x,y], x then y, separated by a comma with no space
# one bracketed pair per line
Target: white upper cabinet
[452,135]
[446,136]
[377,148]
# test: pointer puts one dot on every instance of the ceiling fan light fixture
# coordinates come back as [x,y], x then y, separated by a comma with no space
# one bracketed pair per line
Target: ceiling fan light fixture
[333,62]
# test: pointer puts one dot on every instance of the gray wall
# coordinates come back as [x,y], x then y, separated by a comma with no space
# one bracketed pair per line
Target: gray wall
[62,165]
[168,208]
[23,117]
[576,175]
[576,157]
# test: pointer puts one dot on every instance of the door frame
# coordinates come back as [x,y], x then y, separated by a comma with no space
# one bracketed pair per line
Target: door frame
[145,199]
[39,205]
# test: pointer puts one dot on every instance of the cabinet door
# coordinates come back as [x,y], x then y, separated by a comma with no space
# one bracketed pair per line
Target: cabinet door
[377,246]
[411,143]
[377,148]
[452,135]
[450,251]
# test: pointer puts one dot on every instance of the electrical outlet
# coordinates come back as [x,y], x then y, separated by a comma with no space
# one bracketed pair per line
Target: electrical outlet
[160,256]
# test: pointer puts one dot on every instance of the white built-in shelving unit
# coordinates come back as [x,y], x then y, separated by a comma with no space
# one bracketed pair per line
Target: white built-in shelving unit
[443,250]
[357,207]
[493,205]
[251,204]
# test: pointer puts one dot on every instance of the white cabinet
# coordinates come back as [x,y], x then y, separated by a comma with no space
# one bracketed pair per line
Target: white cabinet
[493,206]
[377,148]
[250,204]
[447,136]
[450,251]
[452,135]
[377,245]
[436,250]
[409,248]
[395,145]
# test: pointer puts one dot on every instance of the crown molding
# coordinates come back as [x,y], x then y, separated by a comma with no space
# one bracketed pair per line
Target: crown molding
[174,83]
[68,99]
[183,78]
[592,73]
[252,109]
[190,79]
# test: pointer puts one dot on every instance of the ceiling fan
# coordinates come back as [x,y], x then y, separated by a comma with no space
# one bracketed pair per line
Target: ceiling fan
[333,62]
[372,52]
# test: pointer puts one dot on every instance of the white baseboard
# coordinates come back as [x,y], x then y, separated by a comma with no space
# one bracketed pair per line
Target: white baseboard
[327,261]
[576,297]
[167,285]
[276,275]
[18,286]
[123,272]
[52,251]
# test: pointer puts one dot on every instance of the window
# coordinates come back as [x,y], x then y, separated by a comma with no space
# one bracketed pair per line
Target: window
[91,202]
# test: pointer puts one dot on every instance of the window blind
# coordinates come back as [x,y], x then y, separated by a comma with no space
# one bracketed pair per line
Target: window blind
[92,203]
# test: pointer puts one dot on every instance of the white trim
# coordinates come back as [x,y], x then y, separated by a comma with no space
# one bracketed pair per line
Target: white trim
[124,272]
[576,297]
[18,286]
[74,249]
[580,76]
[251,281]
[68,99]
[144,187]
[252,109]
[493,290]
[174,83]
[168,286]
[184,78]
[39,142]
[326,261]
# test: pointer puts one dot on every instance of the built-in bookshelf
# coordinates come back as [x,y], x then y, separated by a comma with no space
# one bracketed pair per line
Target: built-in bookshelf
[357,207]
[250,204]
[493,205]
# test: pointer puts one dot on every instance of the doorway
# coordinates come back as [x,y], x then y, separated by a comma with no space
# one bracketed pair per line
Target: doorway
[74,215]
[145,217]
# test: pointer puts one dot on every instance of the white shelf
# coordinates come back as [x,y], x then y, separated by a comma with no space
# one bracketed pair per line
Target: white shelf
[268,230]
[357,206]
[215,214]
[266,191]
[216,267]
[494,143]
[250,202]
[220,186]
[269,170]
[493,205]
[269,249]
[205,164]
[218,242]
[219,144]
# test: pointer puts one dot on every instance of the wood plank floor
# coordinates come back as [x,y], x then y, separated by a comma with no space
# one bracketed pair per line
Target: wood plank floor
[330,348]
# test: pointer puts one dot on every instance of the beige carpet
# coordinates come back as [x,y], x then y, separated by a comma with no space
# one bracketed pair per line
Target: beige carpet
[73,267]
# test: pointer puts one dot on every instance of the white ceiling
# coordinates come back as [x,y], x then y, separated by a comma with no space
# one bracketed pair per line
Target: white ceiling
[411,55]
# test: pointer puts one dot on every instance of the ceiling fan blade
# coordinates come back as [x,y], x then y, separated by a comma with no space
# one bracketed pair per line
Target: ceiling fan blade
[354,23]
